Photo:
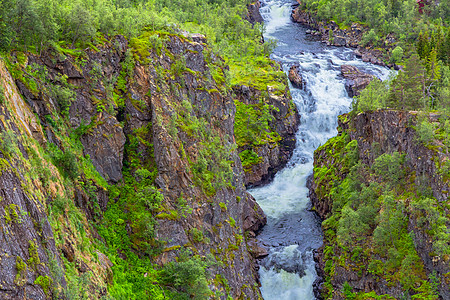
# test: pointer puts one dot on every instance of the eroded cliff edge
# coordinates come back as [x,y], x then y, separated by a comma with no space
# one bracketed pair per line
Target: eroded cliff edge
[122,156]
[383,195]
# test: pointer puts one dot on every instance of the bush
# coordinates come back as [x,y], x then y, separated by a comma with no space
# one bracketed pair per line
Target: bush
[397,54]
[370,37]
[389,167]
[64,97]
[425,132]
[187,276]
[65,161]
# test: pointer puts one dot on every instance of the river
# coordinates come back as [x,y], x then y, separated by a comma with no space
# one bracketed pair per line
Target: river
[293,231]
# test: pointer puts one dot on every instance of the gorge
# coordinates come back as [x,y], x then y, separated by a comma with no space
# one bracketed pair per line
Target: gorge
[293,231]
[154,149]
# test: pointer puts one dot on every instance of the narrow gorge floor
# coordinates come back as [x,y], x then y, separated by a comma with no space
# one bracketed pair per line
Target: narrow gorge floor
[293,231]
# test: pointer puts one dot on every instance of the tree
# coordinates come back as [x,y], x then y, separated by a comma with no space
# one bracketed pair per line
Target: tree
[397,54]
[79,24]
[408,89]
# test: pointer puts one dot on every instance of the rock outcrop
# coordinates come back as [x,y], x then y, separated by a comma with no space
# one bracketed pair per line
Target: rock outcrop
[295,77]
[377,133]
[274,155]
[356,80]
[253,13]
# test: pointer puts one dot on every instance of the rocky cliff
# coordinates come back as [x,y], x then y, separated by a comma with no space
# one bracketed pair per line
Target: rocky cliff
[273,149]
[383,195]
[122,156]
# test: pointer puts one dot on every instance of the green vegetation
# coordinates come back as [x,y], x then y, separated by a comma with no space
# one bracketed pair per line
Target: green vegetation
[368,229]
[45,282]
[21,268]
[402,19]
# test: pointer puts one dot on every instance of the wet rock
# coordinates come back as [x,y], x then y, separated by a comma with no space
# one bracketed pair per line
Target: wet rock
[287,258]
[358,53]
[253,216]
[295,77]
[256,250]
[339,41]
[355,80]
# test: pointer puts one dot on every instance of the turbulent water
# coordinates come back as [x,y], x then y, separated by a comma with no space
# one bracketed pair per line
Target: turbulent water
[293,232]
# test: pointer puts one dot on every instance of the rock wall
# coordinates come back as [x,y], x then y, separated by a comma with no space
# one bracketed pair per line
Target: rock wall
[285,123]
[377,133]
[180,120]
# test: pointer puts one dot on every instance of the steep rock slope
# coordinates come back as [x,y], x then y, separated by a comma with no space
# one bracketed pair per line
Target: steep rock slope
[119,153]
[382,194]
[265,149]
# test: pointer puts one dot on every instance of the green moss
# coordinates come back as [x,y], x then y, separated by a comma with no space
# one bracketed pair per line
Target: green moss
[249,158]
[223,206]
[232,222]
[46,283]
[11,214]
[197,236]
[251,126]
[33,260]
[21,268]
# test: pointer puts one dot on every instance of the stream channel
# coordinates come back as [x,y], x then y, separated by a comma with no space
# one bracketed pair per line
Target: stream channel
[293,231]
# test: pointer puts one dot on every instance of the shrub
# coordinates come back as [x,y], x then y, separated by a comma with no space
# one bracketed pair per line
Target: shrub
[187,276]
[370,37]
[397,54]
[45,282]
[425,132]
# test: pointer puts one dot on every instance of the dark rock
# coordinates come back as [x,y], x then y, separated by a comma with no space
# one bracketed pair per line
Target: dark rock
[339,41]
[104,144]
[68,251]
[253,216]
[295,77]
[253,15]
[257,250]
[355,80]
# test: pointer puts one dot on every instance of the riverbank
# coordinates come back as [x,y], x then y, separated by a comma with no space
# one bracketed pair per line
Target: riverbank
[330,33]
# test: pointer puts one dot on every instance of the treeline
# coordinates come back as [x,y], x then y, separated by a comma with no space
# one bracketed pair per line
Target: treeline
[33,25]
[421,85]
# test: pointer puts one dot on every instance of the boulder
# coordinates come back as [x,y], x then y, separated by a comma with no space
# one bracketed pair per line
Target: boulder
[355,79]
[339,41]
[255,249]
[295,77]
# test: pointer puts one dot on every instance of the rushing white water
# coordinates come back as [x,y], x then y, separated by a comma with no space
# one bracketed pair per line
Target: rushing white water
[292,231]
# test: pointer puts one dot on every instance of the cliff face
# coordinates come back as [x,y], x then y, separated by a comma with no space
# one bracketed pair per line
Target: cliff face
[273,152]
[124,150]
[382,194]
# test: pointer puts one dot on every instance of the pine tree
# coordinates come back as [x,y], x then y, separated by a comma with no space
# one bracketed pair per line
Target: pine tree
[408,89]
